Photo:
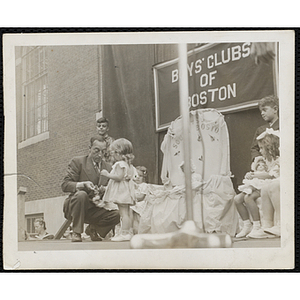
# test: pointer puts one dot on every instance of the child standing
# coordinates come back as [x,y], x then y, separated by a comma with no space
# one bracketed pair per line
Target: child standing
[268,143]
[141,190]
[102,129]
[268,107]
[120,189]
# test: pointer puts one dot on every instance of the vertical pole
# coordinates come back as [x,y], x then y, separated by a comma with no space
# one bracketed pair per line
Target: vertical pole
[184,110]
[21,213]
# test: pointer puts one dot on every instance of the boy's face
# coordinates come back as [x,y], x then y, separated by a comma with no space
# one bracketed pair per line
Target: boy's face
[268,113]
[102,128]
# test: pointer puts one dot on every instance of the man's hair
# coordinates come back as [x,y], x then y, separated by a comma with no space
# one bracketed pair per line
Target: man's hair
[96,138]
[41,222]
[103,120]
[269,101]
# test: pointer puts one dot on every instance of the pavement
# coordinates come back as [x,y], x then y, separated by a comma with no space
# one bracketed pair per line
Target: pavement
[87,244]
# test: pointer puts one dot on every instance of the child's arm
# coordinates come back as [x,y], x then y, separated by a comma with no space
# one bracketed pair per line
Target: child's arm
[141,191]
[259,175]
[262,175]
[117,176]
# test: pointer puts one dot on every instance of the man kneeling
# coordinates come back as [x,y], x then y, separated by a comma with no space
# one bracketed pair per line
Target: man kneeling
[82,180]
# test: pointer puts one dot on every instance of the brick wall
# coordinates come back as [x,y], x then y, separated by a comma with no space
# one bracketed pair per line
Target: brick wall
[73,103]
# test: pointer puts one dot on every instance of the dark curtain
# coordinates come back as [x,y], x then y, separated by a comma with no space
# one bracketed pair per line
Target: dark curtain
[128,100]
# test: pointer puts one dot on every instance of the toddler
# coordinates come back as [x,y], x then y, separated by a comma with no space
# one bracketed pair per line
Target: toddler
[141,190]
[121,187]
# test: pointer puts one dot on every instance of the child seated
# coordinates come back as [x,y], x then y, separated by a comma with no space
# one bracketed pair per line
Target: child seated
[141,190]
[270,192]
[250,192]
[268,143]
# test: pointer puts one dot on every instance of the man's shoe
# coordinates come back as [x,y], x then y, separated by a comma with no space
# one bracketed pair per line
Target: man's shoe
[76,237]
[93,234]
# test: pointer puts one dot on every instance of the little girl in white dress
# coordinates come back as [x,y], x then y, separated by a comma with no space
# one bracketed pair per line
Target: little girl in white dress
[120,190]
[141,190]
[246,200]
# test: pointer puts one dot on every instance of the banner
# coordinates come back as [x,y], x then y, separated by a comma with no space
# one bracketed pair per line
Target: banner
[220,75]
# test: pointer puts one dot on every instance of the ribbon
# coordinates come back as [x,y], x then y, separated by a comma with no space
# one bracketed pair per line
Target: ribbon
[268,131]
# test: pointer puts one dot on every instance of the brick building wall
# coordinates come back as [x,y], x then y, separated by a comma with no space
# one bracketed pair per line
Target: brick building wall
[72,106]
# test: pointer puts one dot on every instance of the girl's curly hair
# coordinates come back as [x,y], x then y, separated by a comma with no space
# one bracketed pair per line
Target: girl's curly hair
[271,145]
[124,148]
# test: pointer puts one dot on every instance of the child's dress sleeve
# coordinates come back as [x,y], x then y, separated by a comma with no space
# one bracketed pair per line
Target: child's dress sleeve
[275,168]
[122,165]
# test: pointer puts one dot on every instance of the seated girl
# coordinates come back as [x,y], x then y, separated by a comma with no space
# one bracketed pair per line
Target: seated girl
[268,143]
[141,189]
[246,200]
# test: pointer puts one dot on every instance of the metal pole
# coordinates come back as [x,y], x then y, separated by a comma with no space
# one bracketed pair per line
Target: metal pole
[184,110]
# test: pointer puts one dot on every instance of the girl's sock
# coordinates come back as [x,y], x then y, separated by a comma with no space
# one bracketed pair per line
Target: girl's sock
[256,224]
[247,223]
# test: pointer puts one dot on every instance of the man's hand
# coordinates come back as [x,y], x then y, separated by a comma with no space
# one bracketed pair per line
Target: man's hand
[89,185]
[85,184]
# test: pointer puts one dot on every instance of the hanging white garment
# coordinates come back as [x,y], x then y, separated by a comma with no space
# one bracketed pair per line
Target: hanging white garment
[209,141]
[210,157]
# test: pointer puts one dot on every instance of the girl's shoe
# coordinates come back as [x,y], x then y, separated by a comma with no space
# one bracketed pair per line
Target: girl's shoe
[246,230]
[121,238]
[258,233]
[275,230]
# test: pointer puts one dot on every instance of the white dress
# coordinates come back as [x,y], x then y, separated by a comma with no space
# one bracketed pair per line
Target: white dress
[250,185]
[121,192]
[140,205]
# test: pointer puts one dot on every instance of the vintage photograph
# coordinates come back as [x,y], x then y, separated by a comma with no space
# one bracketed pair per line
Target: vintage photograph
[165,150]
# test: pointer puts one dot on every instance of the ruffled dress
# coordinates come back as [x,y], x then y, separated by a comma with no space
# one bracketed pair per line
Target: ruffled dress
[121,192]
[255,184]
[140,205]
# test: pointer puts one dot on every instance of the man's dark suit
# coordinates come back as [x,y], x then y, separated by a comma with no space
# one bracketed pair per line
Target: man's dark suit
[78,207]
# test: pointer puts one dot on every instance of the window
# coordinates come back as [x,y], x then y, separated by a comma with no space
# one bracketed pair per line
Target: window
[30,219]
[34,92]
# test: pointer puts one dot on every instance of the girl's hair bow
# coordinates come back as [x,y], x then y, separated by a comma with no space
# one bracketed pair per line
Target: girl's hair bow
[268,131]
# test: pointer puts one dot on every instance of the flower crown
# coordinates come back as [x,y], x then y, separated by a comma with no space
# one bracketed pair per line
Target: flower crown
[268,131]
